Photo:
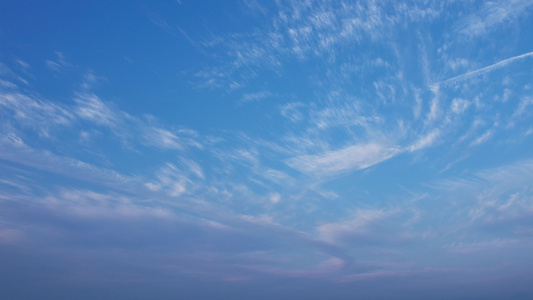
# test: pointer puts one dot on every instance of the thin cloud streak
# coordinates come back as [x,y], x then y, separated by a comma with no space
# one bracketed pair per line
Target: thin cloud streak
[351,158]
[482,71]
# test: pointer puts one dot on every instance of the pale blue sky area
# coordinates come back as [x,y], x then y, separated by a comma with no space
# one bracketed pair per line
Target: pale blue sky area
[266,149]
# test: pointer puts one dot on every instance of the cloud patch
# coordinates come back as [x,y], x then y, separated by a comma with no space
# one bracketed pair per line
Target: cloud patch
[350,158]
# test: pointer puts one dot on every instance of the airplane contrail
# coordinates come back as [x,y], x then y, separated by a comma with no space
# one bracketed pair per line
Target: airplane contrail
[484,70]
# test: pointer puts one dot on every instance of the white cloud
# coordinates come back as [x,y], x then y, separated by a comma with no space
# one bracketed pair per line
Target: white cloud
[357,226]
[350,158]
[276,176]
[15,150]
[162,138]
[522,107]
[43,116]
[459,105]
[483,138]
[7,84]
[492,14]
[458,63]
[89,204]
[177,180]
[303,31]
[499,196]
[255,97]
[91,107]
[9,74]
[274,197]
[483,71]
[22,63]
[481,247]
[434,110]
[58,64]
[344,115]
[293,111]
[35,113]
[426,141]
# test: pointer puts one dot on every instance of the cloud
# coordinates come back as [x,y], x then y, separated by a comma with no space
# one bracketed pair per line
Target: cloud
[426,141]
[372,227]
[7,84]
[482,71]
[293,111]
[493,198]
[91,205]
[357,226]
[40,115]
[350,158]
[274,197]
[481,247]
[522,107]
[58,64]
[483,138]
[92,108]
[255,97]
[459,105]
[491,15]
[276,176]
[15,150]
[345,114]
[9,74]
[434,111]
[162,138]
[303,31]
[177,180]
[88,111]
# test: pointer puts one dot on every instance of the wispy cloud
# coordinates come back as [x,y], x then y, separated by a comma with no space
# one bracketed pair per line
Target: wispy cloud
[40,115]
[58,64]
[369,227]
[494,197]
[482,71]
[165,139]
[10,75]
[336,232]
[350,158]
[426,140]
[15,150]
[303,31]
[336,174]
[92,108]
[475,248]
[177,180]
[491,15]
[256,96]
[482,139]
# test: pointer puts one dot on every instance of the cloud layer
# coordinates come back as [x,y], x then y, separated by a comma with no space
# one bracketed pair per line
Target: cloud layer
[267,150]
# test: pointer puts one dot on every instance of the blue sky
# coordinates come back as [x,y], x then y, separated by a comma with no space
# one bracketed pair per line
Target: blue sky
[266,149]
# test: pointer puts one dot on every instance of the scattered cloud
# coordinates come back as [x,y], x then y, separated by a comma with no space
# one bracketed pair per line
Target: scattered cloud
[491,15]
[350,158]
[482,139]
[256,96]
[475,248]
[361,156]
[91,107]
[58,64]
[426,141]
[482,71]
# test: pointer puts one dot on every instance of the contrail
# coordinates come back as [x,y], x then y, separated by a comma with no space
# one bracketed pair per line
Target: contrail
[484,70]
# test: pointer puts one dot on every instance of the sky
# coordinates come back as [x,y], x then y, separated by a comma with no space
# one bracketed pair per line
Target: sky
[249,149]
